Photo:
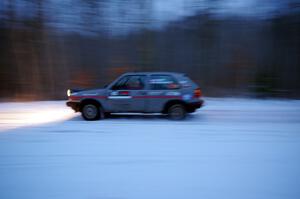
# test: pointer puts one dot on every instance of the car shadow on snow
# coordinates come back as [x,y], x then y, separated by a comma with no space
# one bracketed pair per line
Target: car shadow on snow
[138,116]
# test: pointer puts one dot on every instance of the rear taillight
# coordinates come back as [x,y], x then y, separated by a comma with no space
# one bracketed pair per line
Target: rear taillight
[197,93]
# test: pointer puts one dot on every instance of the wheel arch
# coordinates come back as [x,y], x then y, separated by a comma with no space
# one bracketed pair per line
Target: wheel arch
[170,103]
[89,101]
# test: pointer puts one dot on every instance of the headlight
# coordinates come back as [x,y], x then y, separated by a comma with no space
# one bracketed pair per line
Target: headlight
[69,92]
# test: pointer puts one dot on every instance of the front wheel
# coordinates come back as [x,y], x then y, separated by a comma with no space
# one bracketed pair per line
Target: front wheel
[176,112]
[91,112]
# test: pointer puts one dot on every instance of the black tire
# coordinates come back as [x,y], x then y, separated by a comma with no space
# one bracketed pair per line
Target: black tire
[176,112]
[92,112]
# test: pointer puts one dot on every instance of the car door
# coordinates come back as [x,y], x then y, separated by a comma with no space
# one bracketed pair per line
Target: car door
[162,88]
[126,95]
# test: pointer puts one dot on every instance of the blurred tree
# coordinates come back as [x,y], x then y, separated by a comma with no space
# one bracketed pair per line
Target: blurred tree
[49,46]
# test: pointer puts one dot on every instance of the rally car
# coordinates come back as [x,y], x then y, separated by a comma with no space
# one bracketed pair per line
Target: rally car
[172,94]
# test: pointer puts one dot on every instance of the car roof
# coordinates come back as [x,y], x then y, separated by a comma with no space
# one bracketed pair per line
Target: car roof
[153,73]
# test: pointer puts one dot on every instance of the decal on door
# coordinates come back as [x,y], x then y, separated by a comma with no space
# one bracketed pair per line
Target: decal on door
[119,95]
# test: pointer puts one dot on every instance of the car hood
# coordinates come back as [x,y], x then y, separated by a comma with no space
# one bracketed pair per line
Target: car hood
[91,92]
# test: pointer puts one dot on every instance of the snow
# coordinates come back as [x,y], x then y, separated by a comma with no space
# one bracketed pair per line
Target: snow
[231,148]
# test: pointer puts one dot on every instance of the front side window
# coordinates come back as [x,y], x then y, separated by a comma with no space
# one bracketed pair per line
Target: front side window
[163,82]
[131,82]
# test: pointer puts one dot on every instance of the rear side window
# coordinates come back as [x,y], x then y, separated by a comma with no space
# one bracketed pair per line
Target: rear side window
[163,82]
[185,82]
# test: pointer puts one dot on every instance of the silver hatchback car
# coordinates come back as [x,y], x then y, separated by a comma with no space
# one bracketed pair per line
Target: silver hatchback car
[173,94]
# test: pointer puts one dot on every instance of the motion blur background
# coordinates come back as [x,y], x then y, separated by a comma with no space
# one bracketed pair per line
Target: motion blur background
[229,47]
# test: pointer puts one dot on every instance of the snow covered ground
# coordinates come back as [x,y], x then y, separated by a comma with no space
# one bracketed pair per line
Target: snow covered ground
[231,148]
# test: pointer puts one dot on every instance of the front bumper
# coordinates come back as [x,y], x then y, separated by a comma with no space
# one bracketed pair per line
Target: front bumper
[74,105]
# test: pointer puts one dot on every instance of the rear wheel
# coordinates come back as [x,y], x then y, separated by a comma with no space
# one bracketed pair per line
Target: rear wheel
[92,112]
[176,112]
